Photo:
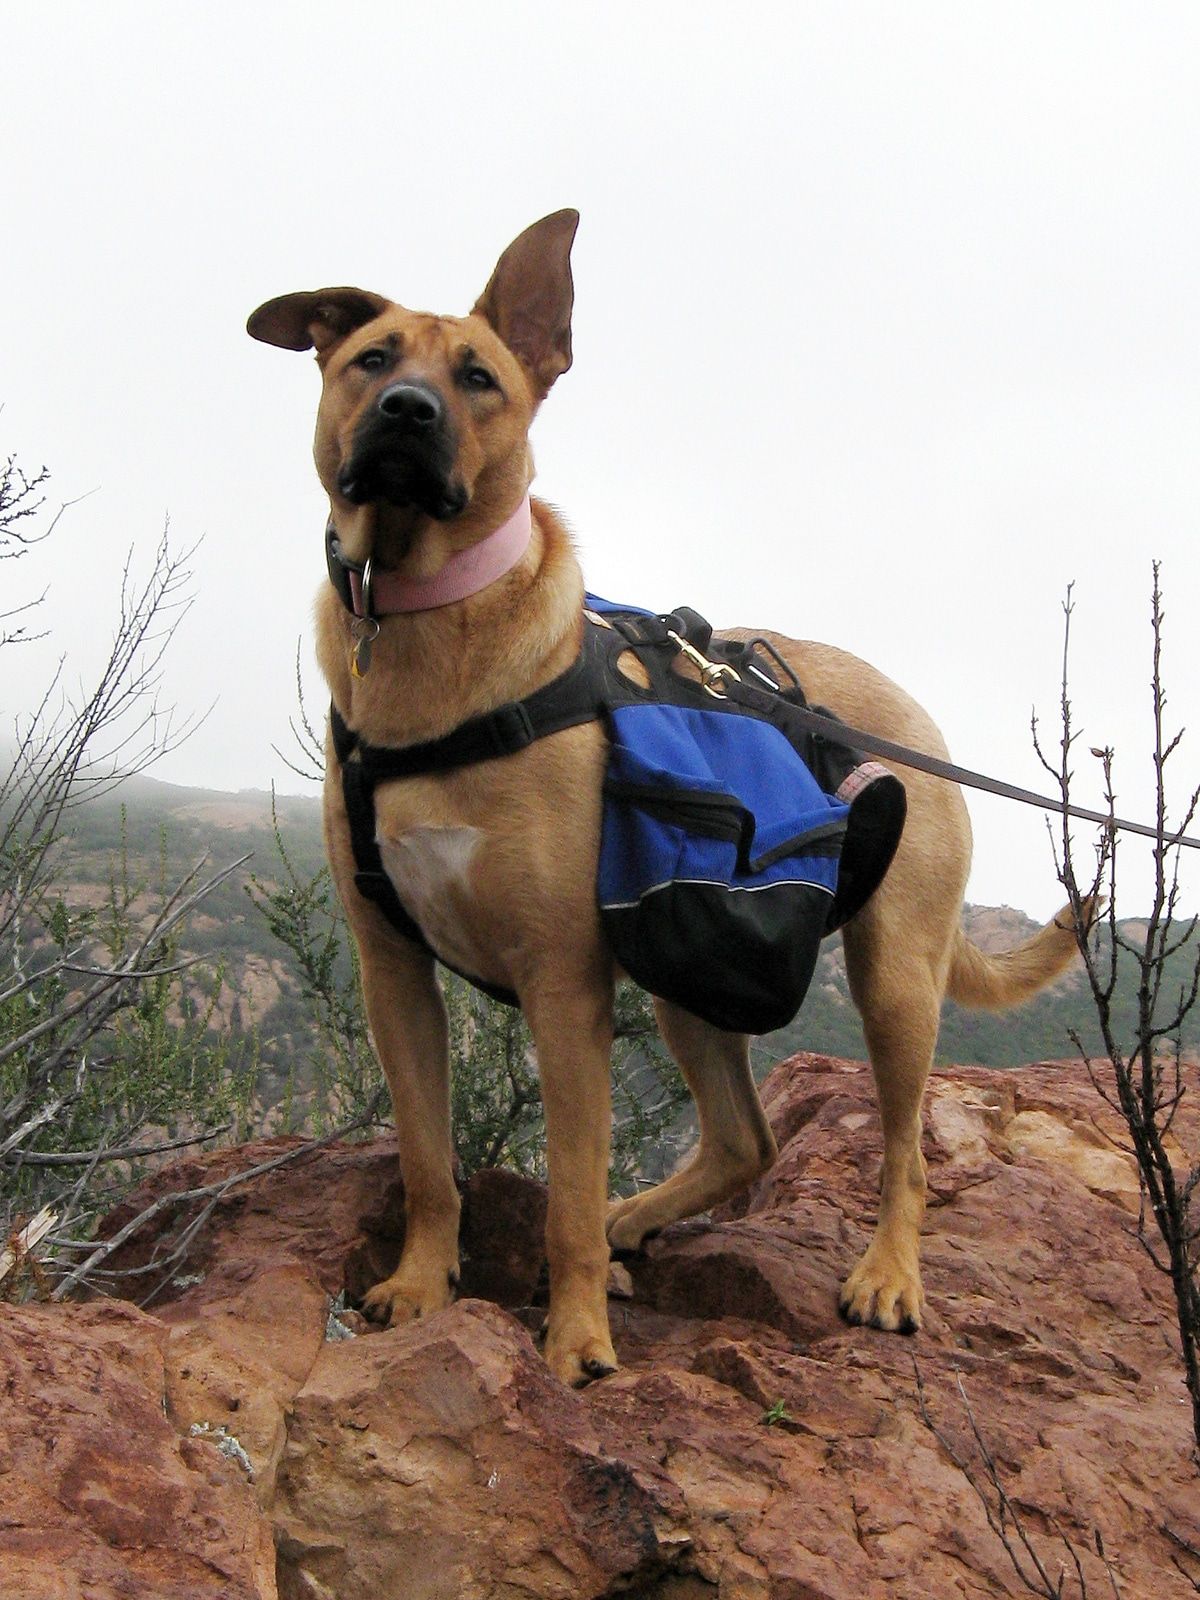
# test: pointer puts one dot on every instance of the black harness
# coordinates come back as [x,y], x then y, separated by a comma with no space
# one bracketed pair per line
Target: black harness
[570,699]
[747,679]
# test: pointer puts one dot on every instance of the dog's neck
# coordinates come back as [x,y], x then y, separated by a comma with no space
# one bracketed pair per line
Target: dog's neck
[464,573]
[458,662]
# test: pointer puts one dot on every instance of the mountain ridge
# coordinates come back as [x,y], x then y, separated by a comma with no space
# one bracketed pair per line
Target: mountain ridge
[162,827]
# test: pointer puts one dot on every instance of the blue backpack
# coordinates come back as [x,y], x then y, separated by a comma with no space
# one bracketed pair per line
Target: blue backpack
[734,839]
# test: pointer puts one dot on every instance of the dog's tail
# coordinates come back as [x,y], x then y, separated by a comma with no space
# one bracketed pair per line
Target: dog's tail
[992,982]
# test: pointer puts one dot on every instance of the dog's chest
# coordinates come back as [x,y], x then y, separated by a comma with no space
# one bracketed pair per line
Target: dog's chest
[430,868]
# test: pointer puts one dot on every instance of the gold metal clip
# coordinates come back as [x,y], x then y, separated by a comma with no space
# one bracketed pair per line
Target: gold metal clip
[712,673]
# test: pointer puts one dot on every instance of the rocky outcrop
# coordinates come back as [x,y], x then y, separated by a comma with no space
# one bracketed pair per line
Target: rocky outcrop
[751,1447]
[100,1493]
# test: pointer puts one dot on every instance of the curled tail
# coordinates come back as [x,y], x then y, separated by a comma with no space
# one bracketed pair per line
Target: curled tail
[992,982]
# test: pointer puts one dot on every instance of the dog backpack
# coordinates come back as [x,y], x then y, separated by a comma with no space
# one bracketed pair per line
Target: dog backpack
[733,839]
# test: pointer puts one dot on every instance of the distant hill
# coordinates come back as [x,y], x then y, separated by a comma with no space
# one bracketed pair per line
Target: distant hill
[1039,1030]
[165,829]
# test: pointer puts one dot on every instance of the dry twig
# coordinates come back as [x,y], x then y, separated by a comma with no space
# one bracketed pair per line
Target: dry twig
[1003,1516]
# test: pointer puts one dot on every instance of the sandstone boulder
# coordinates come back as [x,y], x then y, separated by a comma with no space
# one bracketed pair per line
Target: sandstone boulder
[751,1447]
[442,1459]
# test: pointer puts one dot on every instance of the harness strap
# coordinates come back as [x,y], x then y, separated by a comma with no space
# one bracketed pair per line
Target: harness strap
[592,685]
[370,879]
[565,702]
[580,694]
[574,697]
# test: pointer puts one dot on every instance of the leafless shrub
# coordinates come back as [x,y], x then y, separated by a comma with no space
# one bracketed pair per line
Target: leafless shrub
[106,1056]
[21,500]
[192,1209]
[1149,1079]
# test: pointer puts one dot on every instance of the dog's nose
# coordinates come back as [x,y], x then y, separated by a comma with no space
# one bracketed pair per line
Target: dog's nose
[411,403]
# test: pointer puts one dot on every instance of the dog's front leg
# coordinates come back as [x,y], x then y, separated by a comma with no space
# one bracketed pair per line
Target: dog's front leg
[408,1025]
[571,1022]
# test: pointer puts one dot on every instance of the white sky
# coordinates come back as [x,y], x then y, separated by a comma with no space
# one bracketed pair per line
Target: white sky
[887,328]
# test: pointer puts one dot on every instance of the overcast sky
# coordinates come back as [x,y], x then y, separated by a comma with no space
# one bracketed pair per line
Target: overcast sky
[887,329]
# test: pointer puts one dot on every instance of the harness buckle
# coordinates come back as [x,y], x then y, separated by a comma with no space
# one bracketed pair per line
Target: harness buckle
[712,673]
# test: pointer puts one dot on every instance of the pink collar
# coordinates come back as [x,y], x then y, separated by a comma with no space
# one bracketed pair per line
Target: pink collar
[465,573]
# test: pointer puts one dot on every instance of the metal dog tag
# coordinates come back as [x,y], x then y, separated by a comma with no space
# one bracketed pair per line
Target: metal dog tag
[365,631]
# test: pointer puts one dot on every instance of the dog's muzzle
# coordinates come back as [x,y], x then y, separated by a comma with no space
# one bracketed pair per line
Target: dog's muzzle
[404,452]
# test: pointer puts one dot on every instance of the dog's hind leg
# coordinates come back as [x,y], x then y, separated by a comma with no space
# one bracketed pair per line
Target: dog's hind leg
[904,952]
[736,1143]
[897,979]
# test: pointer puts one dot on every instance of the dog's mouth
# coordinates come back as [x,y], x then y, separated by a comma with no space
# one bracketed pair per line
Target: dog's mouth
[403,485]
[403,466]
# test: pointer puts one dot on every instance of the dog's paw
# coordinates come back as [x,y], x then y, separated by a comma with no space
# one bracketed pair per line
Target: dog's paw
[579,1360]
[628,1227]
[882,1292]
[578,1368]
[404,1298]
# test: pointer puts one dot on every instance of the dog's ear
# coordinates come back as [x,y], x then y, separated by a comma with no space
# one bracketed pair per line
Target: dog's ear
[529,297]
[314,319]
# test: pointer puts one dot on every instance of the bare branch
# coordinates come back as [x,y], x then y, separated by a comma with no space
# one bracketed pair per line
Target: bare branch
[211,1193]
[1147,1100]
[129,1152]
[309,763]
[1003,1516]
[101,1066]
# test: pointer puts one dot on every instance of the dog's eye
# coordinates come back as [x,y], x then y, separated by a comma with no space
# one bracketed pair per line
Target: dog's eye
[372,360]
[474,377]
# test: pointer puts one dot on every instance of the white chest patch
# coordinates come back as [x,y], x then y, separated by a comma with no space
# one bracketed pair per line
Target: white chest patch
[430,869]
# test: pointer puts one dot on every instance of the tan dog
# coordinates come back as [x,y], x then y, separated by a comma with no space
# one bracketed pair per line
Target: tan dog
[422,445]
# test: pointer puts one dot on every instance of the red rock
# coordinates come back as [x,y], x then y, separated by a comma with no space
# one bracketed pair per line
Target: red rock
[241,1343]
[443,1459]
[751,1448]
[101,1497]
[305,1210]
[504,1220]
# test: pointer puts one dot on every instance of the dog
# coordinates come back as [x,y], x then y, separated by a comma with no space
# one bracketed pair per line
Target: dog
[422,444]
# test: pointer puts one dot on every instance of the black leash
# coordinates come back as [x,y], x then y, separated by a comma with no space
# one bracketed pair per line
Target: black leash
[872,744]
[723,680]
[492,735]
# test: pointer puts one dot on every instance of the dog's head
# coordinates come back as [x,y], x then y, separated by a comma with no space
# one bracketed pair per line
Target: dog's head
[424,419]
